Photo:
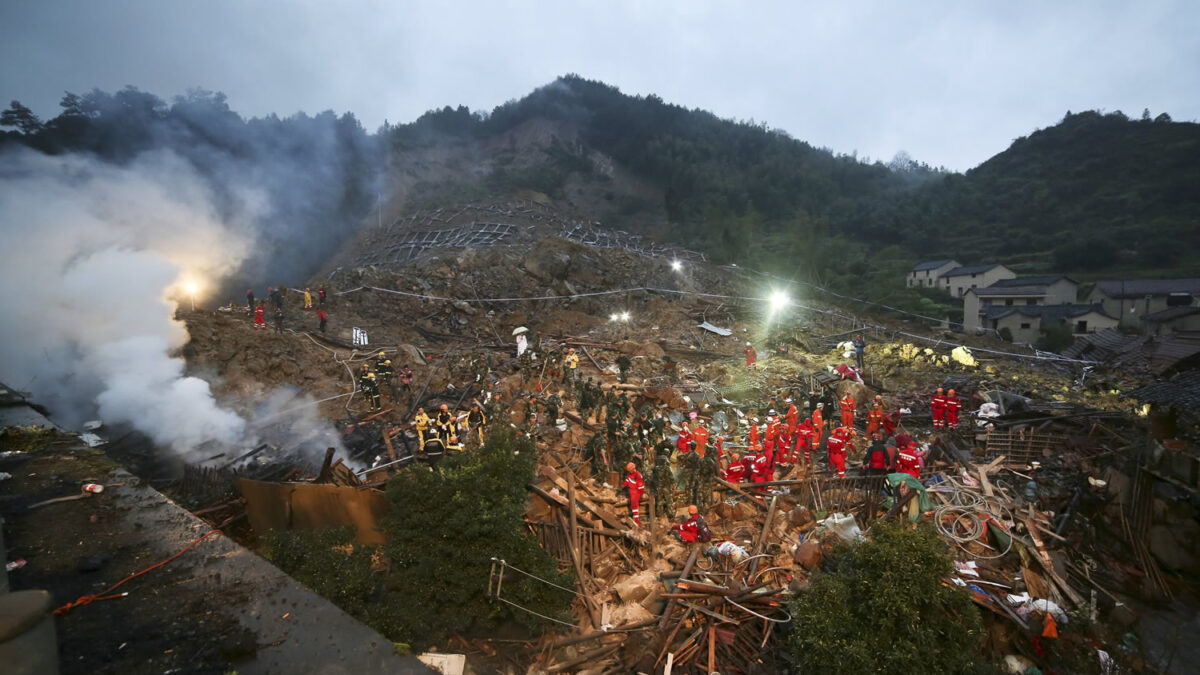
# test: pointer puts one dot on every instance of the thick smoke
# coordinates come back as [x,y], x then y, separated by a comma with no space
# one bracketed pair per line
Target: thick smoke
[96,258]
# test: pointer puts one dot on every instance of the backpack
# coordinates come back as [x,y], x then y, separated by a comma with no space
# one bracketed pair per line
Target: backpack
[703,531]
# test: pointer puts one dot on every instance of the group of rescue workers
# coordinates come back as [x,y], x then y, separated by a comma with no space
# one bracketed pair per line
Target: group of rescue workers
[275,297]
[682,457]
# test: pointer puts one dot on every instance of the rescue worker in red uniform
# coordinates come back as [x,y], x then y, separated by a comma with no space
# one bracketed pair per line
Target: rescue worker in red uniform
[953,405]
[690,530]
[849,407]
[684,443]
[837,450]
[759,467]
[785,450]
[637,487]
[807,439]
[751,356]
[736,471]
[937,407]
[891,422]
[259,321]
[753,432]
[907,461]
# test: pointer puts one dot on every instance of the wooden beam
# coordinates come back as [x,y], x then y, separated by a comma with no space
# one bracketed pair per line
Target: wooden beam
[687,569]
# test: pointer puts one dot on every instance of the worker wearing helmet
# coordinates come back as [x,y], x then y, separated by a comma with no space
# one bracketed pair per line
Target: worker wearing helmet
[383,368]
[422,422]
[307,299]
[477,420]
[694,529]
[751,356]
[636,487]
[444,422]
[953,405]
[571,361]
[875,416]
[937,407]
[370,389]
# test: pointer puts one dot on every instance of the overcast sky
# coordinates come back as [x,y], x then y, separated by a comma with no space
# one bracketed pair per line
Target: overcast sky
[950,82]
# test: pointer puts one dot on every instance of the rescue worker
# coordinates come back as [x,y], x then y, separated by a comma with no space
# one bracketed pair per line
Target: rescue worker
[422,422]
[875,416]
[700,437]
[876,461]
[836,445]
[322,317]
[444,422]
[383,369]
[793,415]
[751,356]
[406,379]
[807,439]
[571,361]
[760,470]
[481,367]
[937,407]
[683,444]
[371,389]
[279,321]
[953,406]
[907,461]
[525,361]
[249,299]
[454,444]
[321,296]
[553,403]
[623,365]
[477,420]
[663,480]
[860,348]
[259,321]
[818,423]
[693,529]
[891,422]
[849,407]
[636,487]
[307,299]
[736,471]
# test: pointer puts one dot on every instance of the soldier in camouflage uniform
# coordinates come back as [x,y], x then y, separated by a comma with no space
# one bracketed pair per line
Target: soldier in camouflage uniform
[662,482]
[553,403]
[594,450]
[526,363]
[623,365]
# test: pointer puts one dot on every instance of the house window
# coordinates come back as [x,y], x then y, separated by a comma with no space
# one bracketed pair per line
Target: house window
[1081,326]
[1179,300]
[1025,326]
[972,276]
[1009,302]
[987,302]
[1031,301]
[972,285]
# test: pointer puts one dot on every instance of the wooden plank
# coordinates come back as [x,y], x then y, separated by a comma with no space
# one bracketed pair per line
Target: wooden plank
[687,569]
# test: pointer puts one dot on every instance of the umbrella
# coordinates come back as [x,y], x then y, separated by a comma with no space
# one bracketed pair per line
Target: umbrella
[520,329]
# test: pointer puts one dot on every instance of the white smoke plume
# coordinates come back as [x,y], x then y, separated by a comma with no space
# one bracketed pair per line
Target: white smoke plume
[96,257]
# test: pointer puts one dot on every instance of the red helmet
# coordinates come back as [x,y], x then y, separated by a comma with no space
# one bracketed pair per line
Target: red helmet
[692,510]
[631,467]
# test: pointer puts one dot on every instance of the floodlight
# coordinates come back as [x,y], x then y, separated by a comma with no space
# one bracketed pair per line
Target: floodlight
[676,265]
[614,317]
[778,300]
[624,316]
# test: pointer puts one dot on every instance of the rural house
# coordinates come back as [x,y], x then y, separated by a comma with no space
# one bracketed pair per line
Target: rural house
[958,281]
[1016,292]
[1134,299]
[927,274]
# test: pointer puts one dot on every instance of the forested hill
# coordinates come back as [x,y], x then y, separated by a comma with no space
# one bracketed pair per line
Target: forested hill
[1096,194]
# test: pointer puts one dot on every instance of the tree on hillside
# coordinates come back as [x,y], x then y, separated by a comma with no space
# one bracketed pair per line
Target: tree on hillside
[21,117]
[884,609]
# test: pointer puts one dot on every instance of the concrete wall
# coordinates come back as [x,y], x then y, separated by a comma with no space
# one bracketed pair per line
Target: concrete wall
[1025,329]
[1096,322]
[1131,310]
[1062,292]
[1183,323]
[957,286]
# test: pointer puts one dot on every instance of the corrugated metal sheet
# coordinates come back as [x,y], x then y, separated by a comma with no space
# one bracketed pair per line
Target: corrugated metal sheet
[1181,392]
[315,506]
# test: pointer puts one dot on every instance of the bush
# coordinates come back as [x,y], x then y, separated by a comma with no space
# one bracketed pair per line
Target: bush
[1005,334]
[883,609]
[446,525]
[328,563]
[1056,337]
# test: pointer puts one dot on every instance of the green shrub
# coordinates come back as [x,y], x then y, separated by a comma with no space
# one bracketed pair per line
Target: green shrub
[883,609]
[446,525]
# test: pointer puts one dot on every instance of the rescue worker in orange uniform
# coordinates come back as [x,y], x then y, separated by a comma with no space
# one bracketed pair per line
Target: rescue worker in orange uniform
[818,422]
[875,417]
[849,407]
[837,450]
[700,438]
[751,356]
